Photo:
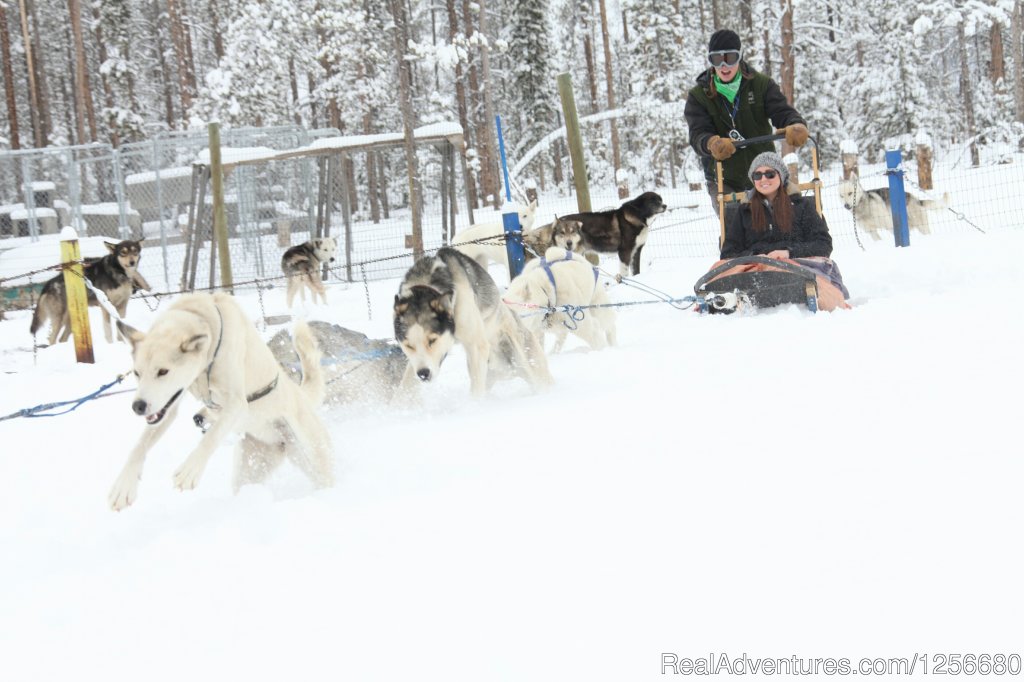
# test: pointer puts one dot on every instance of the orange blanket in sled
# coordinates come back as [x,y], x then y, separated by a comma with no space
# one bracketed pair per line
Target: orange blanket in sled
[829,295]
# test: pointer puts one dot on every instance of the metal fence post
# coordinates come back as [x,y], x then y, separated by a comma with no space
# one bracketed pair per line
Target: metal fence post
[510,217]
[897,196]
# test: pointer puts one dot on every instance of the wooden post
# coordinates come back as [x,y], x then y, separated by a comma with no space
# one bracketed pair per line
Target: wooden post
[572,135]
[924,160]
[74,286]
[220,221]
[793,166]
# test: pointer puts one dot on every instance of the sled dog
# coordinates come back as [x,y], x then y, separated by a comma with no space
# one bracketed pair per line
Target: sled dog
[205,344]
[562,278]
[302,266]
[115,274]
[449,298]
[622,230]
[872,209]
[485,242]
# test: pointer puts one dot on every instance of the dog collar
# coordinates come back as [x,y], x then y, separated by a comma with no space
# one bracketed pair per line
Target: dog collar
[253,397]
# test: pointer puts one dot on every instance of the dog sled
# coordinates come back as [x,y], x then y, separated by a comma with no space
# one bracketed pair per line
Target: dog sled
[751,282]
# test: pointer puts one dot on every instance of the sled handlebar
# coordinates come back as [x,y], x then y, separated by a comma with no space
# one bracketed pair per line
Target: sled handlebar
[758,140]
[779,134]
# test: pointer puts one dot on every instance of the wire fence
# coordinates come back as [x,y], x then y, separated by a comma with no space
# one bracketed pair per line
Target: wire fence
[286,185]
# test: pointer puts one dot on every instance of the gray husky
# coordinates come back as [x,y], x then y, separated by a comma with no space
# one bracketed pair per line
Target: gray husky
[872,209]
[449,298]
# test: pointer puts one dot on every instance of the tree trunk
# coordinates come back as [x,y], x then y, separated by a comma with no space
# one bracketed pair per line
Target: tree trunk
[767,53]
[371,172]
[81,89]
[311,86]
[967,96]
[5,54]
[606,39]
[408,120]
[181,56]
[1016,30]
[293,83]
[998,69]
[488,132]
[787,68]
[39,136]
[585,9]
[714,15]
[166,79]
[108,90]
[747,17]
[475,109]
[460,101]
[218,40]
[45,119]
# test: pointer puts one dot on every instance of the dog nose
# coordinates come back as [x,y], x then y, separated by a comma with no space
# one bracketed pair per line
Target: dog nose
[139,407]
[423,374]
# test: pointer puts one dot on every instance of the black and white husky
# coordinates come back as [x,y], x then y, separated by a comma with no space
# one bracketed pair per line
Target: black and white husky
[302,263]
[449,298]
[115,274]
[872,209]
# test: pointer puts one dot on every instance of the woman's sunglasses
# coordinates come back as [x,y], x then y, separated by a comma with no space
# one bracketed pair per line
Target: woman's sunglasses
[726,57]
[770,174]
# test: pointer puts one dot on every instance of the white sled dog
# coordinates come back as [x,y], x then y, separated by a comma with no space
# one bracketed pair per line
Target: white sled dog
[872,209]
[205,344]
[558,279]
[302,263]
[449,298]
[485,242]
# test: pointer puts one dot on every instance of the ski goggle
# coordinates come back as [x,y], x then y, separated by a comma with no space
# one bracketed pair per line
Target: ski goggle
[724,57]
[769,174]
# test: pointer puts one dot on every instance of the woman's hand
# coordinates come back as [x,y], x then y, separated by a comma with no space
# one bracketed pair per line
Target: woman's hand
[778,253]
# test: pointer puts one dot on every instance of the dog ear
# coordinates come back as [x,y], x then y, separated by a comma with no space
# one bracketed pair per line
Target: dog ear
[195,343]
[442,304]
[112,248]
[133,335]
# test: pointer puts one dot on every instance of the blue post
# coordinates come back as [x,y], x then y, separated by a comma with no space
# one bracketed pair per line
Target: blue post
[510,217]
[897,196]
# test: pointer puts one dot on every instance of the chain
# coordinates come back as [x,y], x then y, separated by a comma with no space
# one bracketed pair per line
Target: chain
[263,312]
[366,288]
[960,215]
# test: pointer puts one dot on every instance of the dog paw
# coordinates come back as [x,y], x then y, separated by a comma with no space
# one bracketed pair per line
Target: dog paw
[125,491]
[187,476]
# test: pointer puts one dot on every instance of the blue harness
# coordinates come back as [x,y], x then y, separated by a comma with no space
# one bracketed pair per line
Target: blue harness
[544,263]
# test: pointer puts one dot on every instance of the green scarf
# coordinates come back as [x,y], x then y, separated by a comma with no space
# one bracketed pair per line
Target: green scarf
[729,89]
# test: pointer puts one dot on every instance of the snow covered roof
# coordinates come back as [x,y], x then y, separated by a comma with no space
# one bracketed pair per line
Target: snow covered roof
[435,132]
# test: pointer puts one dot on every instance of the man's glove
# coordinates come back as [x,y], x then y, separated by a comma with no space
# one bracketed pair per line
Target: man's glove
[796,135]
[722,147]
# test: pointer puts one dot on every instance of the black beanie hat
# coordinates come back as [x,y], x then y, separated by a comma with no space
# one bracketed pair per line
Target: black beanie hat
[724,40]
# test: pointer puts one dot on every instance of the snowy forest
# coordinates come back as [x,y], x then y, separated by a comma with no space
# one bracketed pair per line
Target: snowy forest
[877,72]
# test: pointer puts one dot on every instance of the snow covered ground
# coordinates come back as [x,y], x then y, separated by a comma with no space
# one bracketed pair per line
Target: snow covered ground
[776,485]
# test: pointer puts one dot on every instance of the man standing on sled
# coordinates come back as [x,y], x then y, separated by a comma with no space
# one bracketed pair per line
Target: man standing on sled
[732,102]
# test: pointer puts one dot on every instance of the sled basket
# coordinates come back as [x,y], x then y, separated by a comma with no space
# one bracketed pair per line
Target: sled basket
[782,283]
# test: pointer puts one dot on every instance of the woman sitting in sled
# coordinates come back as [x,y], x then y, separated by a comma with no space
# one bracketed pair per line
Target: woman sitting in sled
[782,226]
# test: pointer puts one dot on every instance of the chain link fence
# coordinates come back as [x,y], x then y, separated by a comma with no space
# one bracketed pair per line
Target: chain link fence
[282,186]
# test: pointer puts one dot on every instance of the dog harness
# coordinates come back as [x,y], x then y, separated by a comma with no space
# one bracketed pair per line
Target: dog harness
[252,397]
[544,263]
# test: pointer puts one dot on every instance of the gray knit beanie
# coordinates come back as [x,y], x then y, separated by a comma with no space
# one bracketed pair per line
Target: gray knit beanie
[772,160]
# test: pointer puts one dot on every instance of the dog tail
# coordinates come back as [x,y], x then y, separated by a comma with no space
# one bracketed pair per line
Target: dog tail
[37,318]
[305,345]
